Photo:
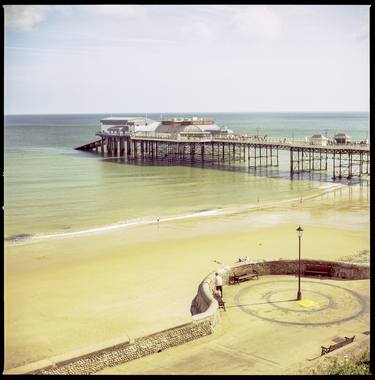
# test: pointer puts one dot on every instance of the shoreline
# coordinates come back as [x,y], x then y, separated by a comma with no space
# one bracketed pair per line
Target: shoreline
[64,294]
[22,239]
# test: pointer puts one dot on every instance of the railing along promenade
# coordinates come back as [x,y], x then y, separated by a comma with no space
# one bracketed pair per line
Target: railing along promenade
[348,160]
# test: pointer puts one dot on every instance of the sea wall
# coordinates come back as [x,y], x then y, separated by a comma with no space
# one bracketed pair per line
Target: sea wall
[205,305]
[340,270]
[84,363]
[205,315]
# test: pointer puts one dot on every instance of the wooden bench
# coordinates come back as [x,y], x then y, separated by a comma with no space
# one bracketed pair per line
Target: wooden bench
[332,347]
[319,269]
[236,278]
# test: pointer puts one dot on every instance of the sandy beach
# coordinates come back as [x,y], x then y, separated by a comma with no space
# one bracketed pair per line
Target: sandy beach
[65,294]
[148,147]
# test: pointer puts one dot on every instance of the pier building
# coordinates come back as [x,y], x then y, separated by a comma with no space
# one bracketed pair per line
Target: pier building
[342,138]
[128,124]
[171,126]
[318,139]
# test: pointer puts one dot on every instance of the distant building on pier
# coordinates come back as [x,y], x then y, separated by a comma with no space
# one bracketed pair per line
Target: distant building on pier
[342,138]
[128,124]
[184,126]
[318,139]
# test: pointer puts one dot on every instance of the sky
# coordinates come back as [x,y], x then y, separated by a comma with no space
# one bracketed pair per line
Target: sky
[185,58]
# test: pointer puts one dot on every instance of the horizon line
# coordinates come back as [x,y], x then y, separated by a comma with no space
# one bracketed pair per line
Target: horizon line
[178,112]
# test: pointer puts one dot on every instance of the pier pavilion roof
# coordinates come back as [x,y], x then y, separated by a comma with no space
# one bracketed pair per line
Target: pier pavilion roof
[180,128]
[192,128]
[124,120]
[342,135]
[319,136]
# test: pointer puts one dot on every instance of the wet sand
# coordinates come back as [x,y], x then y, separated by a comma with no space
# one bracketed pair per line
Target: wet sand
[65,294]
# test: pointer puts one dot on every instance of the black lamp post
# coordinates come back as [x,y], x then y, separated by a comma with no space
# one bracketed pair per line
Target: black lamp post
[299,233]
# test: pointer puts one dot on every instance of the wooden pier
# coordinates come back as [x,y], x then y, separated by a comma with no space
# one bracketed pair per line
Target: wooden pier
[348,160]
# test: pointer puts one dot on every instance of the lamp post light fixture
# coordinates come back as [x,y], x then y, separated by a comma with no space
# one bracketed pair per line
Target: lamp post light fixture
[299,233]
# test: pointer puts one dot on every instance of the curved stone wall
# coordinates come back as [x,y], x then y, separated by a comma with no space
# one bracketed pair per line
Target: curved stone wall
[204,305]
[341,270]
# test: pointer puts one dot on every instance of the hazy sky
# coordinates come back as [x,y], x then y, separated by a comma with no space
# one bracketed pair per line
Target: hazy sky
[203,58]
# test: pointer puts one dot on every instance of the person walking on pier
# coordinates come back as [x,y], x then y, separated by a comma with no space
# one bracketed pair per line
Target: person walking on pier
[219,283]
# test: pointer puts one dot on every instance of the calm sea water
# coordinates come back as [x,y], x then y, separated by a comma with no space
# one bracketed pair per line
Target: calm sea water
[52,188]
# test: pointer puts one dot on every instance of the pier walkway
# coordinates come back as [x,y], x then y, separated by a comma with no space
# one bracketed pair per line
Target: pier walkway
[347,160]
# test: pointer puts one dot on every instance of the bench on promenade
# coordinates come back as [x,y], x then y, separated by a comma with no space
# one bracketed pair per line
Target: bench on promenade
[236,278]
[319,269]
[332,347]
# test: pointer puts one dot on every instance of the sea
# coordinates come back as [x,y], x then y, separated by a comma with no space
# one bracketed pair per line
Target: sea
[51,189]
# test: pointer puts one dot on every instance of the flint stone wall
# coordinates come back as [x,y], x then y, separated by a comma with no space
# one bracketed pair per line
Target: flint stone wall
[341,270]
[203,301]
[124,352]
[204,305]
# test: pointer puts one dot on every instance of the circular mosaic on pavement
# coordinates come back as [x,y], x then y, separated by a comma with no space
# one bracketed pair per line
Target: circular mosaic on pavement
[321,303]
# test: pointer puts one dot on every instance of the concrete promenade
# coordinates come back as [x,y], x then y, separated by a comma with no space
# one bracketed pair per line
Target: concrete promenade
[265,331]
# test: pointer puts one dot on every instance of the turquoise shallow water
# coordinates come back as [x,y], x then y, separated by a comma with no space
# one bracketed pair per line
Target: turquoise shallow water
[52,188]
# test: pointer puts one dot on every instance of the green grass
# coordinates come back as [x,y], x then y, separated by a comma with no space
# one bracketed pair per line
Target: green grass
[347,366]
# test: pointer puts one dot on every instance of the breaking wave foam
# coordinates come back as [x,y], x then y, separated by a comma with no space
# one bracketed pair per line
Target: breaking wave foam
[23,238]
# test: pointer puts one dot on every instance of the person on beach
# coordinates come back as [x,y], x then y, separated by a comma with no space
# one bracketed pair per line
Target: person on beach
[219,283]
